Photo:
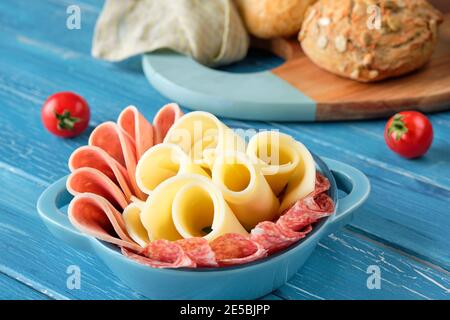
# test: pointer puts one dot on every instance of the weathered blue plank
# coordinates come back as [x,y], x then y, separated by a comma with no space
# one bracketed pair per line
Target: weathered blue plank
[336,270]
[345,274]
[15,290]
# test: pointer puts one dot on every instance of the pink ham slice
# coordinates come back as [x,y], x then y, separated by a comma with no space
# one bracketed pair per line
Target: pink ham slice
[89,180]
[119,145]
[96,158]
[95,216]
[138,128]
[235,249]
[164,119]
[161,254]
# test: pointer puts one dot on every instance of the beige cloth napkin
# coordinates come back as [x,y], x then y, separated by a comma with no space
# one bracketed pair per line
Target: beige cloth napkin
[210,31]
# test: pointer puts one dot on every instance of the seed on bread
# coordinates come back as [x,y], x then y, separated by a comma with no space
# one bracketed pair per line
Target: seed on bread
[322,42]
[324,21]
[368,59]
[373,74]
[340,43]
[355,74]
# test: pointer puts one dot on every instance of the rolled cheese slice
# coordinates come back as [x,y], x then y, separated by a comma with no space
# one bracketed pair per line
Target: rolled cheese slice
[161,162]
[278,157]
[303,180]
[244,188]
[133,224]
[188,205]
[286,163]
[198,131]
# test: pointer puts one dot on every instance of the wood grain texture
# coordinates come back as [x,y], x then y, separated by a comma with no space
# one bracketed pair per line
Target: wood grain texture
[427,89]
[16,290]
[407,212]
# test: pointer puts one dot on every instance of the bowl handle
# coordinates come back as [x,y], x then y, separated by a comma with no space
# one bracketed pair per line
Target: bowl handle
[357,188]
[48,207]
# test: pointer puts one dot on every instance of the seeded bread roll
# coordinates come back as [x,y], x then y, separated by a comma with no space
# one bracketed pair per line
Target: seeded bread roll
[370,40]
[273,18]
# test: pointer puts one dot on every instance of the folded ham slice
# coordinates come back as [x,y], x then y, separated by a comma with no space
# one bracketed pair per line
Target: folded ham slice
[118,144]
[138,128]
[95,216]
[164,119]
[89,180]
[97,158]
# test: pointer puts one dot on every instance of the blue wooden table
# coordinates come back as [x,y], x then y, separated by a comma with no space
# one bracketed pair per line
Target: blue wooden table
[403,229]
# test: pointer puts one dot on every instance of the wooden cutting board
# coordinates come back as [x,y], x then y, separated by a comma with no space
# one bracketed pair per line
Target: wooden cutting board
[298,90]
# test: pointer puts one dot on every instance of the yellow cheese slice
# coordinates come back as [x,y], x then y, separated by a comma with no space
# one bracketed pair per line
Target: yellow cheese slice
[188,205]
[244,188]
[286,164]
[198,131]
[133,224]
[303,180]
[161,162]
[278,155]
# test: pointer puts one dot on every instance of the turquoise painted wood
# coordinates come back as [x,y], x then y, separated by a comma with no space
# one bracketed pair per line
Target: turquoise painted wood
[254,96]
[403,227]
[16,290]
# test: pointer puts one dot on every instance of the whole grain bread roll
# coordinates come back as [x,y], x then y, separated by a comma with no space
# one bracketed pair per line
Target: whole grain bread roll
[273,18]
[370,40]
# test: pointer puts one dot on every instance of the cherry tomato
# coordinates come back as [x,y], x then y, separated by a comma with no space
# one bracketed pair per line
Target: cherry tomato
[409,133]
[65,114]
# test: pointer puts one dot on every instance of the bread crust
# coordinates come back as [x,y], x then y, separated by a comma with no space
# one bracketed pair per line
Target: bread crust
[273,18]
[343,37]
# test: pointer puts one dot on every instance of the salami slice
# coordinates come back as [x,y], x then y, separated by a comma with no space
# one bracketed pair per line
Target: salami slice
[274,237]
[164,119]
[95,216]
[161,254]
[96,158]
[93,181]
[138,128]
[322,184]
[306,212]
[234,249]
[199,250]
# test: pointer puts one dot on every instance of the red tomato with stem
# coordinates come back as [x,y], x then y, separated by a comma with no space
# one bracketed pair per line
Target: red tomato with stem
[65,114]
[409,133]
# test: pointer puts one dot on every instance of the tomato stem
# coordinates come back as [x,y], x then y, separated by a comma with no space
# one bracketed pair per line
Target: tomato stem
[66,121]
[398,127]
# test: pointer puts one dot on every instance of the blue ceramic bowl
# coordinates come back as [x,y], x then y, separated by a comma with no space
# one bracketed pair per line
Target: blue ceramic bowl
[249,281]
